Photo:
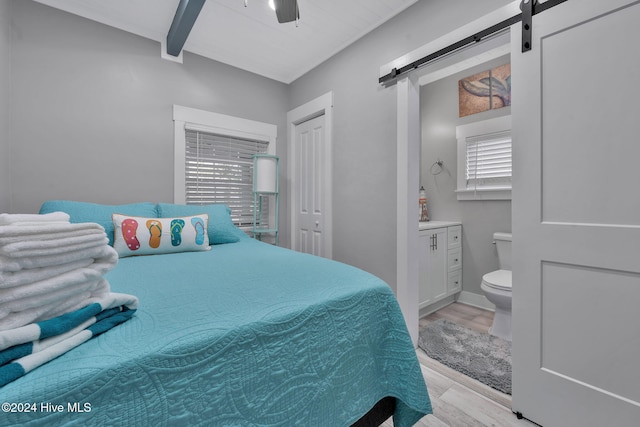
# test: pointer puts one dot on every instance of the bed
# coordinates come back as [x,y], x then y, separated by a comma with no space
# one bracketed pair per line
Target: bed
[245,333]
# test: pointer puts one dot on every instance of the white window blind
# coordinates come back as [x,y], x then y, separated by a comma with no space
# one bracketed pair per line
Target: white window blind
[219,169]
[488,161]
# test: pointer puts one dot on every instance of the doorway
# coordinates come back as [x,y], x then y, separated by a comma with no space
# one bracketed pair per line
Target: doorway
[480,218]
[409,142]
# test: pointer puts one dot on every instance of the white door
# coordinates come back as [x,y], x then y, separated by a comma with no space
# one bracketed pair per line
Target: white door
[576,216]
[309,198]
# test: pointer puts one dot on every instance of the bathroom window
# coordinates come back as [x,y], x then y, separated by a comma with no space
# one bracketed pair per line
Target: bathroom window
[484,160]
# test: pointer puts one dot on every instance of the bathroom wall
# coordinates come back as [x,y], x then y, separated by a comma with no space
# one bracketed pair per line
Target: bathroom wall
[439,116]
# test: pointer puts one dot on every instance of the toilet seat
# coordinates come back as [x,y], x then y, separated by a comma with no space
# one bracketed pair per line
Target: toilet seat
[499,279]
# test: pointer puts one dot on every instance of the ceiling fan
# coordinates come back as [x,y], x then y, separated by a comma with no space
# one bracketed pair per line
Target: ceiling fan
[286,10]
[188,11]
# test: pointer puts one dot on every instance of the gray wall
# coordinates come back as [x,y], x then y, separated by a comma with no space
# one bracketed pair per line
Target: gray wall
[92,110]
[364,136]
[5,88]
[480,219]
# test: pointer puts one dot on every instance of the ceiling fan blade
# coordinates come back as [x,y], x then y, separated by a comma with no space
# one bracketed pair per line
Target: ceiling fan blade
[287,10]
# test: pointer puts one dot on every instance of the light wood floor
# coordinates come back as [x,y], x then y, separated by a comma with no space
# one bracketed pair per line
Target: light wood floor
[458,400]
[466,315]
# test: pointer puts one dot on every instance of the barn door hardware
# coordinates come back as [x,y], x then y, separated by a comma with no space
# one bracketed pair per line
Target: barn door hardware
[527,17]
[529,8]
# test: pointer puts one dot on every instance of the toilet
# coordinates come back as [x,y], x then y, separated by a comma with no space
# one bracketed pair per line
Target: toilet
[497,287]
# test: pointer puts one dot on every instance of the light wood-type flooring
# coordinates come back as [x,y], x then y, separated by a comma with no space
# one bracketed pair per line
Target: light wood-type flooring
[458,400]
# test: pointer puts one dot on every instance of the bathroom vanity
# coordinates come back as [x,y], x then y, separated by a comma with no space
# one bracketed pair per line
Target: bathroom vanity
[440,246]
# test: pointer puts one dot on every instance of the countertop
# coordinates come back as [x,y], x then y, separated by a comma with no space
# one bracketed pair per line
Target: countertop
[428,225]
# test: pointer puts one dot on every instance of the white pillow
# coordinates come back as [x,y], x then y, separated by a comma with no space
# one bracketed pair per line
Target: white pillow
[136,235]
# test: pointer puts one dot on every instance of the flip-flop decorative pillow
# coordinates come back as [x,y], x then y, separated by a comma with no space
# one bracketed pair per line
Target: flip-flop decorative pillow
[221,228]
[147,236]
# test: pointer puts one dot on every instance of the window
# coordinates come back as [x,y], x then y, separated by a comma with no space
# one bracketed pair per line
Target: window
[489,161]
[219,169]
[214,161]
[484,160]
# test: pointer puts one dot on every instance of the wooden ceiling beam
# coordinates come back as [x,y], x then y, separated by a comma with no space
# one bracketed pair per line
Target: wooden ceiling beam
[183,21]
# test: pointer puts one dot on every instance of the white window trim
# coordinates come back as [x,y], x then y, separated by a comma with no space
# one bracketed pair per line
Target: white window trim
[483,127]
[220,124]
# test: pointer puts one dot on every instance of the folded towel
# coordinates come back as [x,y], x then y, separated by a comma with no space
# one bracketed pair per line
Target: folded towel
[71,279]
[21,233]
[25,348]
[14,314]
[8,264]
[33,218]
[64,323]
[36,248]
[38,280]
[10,279]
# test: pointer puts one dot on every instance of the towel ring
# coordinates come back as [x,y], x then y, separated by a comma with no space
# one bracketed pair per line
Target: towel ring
[439,164]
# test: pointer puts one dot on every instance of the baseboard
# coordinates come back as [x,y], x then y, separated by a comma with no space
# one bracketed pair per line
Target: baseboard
[475,300]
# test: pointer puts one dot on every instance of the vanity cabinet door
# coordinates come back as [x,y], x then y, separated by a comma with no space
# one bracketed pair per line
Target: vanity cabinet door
[433,265]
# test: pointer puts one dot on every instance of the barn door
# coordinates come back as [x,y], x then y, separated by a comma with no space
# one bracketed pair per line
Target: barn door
[576,216]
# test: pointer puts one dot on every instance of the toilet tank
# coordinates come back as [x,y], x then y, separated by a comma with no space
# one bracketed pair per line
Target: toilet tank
[503,245]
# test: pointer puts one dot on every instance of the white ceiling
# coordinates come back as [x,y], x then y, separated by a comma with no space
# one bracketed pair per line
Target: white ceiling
[249,37]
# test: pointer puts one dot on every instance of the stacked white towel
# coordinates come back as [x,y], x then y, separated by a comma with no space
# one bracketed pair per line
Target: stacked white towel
[49,267]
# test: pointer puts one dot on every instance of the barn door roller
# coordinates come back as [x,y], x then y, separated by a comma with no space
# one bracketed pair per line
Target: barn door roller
[527,17]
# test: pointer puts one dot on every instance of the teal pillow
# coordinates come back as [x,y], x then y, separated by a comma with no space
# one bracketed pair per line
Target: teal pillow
[220,229]
[101,214]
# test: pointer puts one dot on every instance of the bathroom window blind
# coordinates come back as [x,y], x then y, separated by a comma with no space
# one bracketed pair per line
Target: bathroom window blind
[219,169]
[488,161]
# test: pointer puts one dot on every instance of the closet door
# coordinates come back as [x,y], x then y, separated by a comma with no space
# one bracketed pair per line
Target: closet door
[308,185]
[576,216]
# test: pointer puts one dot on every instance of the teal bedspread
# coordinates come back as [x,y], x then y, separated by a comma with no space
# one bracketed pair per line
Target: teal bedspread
[245,334]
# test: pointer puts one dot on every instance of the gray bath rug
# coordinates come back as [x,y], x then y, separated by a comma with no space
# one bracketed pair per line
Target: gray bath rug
[480,356]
